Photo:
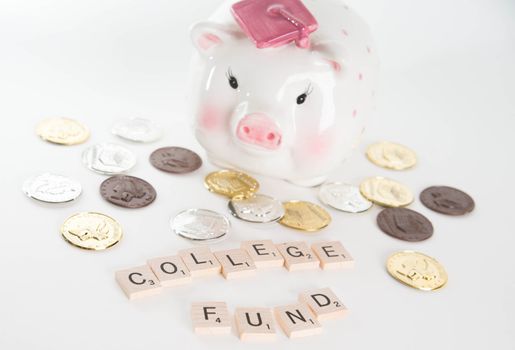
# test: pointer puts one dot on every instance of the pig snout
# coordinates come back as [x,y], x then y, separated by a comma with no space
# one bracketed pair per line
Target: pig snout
[260,130]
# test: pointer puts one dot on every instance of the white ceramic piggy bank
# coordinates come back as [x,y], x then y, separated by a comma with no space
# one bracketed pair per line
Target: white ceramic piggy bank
[290,110]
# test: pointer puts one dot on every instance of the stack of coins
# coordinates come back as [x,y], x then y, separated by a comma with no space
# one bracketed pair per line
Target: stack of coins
[248,205]
[96,231]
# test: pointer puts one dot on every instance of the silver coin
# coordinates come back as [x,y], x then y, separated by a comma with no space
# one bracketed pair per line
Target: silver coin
[258,208]
[52,188]
[108,158]
[200,225]
[343,197]
[137,129]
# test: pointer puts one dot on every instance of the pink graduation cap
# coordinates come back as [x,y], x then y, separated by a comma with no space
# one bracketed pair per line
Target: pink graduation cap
[272,23]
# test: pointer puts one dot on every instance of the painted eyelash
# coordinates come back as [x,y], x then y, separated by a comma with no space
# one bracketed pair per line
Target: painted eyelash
[229,73]
[309,89]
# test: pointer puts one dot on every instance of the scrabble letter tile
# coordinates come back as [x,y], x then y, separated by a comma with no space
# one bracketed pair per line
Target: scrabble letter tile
[210,318]
[235,263]
[170,271]
[324,304]
[200,261]
[297,320]
[298,256]
[264,253]
[332,255]
[138,282]
[255,324]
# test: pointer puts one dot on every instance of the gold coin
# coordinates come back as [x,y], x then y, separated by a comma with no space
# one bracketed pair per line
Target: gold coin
[305,216]
[391,155]
[93,231]
[231,183]
[386,192]
[417,270]
[62,131]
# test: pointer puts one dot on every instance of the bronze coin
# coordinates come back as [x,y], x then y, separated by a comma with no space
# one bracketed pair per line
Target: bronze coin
[175,160]
[127,191]
[405,224]
[447,200]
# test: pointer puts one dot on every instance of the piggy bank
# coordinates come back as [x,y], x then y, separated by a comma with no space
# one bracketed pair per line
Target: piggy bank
[281,96]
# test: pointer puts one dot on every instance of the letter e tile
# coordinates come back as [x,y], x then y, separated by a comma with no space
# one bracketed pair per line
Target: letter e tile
[332,255]
[264,253]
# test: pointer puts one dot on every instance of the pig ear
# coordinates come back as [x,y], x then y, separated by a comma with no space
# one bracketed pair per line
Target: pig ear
[331,53]
[208,37]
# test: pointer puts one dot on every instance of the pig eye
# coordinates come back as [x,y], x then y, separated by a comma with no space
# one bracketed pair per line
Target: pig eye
[302,97]
[233,82]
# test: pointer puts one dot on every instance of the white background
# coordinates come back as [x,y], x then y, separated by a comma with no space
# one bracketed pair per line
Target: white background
[448,92]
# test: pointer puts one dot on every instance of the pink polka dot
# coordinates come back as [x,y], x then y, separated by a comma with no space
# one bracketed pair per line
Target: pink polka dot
[360,76]
[354,113]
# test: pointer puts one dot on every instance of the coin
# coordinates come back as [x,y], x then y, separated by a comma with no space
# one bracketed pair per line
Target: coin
[405,224]
[343,197]
[447,200]
[416,270]
[62,131]
[127,191]
[391,155]
[305,216]
[52,188]
[200,225]
[93,231]
[175,160]
[386,192]
[108,158]
[231,183]
[137,129]
[258,208]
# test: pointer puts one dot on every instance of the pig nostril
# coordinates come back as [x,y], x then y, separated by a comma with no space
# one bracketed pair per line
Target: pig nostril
[246,129]
[270,136]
